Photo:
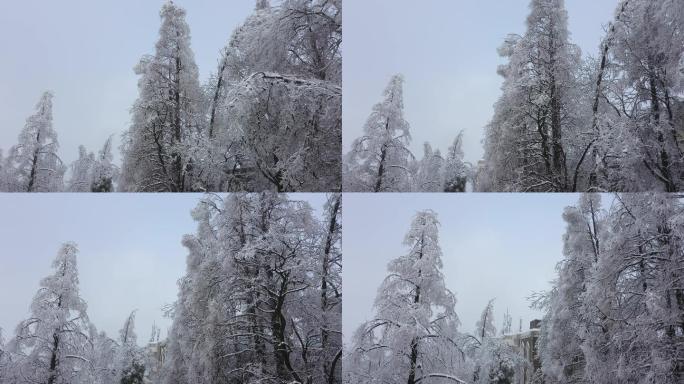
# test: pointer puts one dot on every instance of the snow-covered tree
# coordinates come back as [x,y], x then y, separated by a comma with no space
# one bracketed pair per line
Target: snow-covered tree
[428,177]
[104,173]
[53,345]
[455,171]
[269,118]
[562,357]
[160,144]
[484,328]
[3,169]
[608,124]
[615,313]
[507,326]
[634,300]
[4,359]
[494,361]
[295,130]
[104,359]
[130,360]
[529,144]
[81,171]
[379,160]
[413,334]
[263,276]
[331,291]
[274,120]
[637,145]
[313,37]
[33,165]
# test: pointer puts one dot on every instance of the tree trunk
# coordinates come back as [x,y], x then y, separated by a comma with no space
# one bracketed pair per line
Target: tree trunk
[34,164]
[177,182]
[217,93]
[278,323]
[381,169]
[414,342]
[665,162]
[53,359]
[52,377]
[332,228]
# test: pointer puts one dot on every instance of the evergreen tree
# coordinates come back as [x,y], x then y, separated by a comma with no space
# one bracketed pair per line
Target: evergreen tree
[167,119]
[130,362]
[52,346]
[527,147]
[485,325]
[506,328]
[104,358]
[494,361]
[379,160]
[455,171]
[81,171]
[412,336]
[105,173]
[428,177]
[33,164]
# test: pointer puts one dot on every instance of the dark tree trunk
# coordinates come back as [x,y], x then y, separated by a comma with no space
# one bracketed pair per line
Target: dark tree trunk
[53,359]
[34,164]
[381,170]
[217,93]
[414,342]
[665,161]
[332,228]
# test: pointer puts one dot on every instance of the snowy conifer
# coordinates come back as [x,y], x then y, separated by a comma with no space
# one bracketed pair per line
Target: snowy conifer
[166,122]
[81,171]
[379,160]
[52,346]
[412,336]
[34,165]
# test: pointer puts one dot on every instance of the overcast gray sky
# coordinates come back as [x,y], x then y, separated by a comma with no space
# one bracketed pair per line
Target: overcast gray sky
[85,51]
[130,252]
[447,51]
[502,246]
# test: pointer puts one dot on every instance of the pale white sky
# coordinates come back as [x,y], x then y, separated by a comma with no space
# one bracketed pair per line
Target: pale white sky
[85,51]
[130,252]
[447,51]
[502,246]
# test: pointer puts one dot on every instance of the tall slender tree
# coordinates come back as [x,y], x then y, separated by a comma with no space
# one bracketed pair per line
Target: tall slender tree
[167,118]
[413,334]
[34,165]
[494,361]
[52,346]
[105,173]
[81,171]
[525,147]
[130,360]
[428,176]
[379,160]
[455,171]
[562,355]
